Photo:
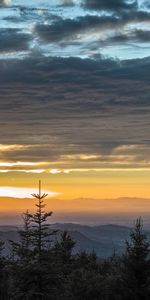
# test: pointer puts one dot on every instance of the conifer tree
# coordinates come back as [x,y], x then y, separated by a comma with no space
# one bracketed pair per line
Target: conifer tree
[21,262]
[40,234]
[41,271]
[136,266]
[3,274]
[30,268]
[22,250]
[63,248]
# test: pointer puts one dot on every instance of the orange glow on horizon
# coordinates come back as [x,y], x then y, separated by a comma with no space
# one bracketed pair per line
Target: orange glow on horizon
[65,187]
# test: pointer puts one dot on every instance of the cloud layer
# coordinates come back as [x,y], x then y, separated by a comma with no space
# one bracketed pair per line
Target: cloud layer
[75,113]
[110,5]
[76,28]
[74,80]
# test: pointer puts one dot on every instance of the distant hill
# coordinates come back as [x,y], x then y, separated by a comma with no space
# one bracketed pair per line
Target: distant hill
[103,239]
[91,211]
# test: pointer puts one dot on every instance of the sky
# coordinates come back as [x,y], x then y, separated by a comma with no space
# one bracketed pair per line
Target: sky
[75,99]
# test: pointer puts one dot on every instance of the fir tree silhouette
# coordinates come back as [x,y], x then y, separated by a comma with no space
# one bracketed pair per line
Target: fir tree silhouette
[39,219]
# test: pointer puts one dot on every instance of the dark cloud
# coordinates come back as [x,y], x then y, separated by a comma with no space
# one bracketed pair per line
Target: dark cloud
[70,28]
[67,3]
[110,5]
[71,35]
[24,14]
[73,105]
[61,108]
[142,35]
[73,29]
[13,40]
[123,38]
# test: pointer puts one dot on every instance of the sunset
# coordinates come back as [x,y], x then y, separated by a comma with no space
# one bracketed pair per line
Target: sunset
[74,108]
[74,149]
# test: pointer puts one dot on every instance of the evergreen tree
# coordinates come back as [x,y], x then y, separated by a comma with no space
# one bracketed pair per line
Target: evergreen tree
[136,266]
[85,280]
[30,268]
[87,261]
[64,263]
[63,249]
[21,261]
[42,270]
[22,250]
[40,236]
[3,274]
[110,269]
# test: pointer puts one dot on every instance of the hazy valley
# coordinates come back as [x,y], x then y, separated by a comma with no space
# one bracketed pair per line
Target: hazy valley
[103,239]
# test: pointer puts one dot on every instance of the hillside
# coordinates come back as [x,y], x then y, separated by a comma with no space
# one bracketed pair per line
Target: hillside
[103,239]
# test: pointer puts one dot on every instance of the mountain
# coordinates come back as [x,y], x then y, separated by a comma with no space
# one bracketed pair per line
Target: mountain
[103,239]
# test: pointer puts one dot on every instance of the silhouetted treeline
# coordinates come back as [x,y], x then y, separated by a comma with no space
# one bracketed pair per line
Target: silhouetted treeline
[44,268]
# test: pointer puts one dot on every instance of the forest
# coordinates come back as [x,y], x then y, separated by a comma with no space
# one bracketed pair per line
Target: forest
[41,267]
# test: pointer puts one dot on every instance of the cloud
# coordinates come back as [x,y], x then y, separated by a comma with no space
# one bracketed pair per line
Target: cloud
[139,36]
[111,5]
[146,4]
[73,28]
[66,31]
[7,148]
[21,193]
[13,40]
[5,2]
[67,108]
[64,113]
[72,31]
[142,35]
[67,3]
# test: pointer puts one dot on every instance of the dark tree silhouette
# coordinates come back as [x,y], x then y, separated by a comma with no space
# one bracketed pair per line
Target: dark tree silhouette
[3,274]
[30,270]
[23,249]
[42,267]
[40,234]
[136,266]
